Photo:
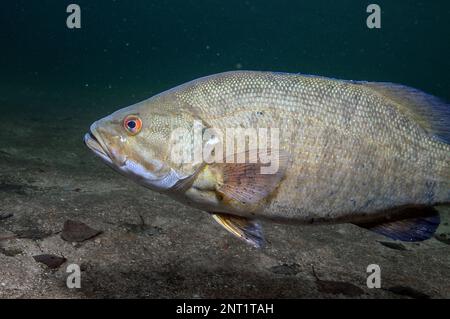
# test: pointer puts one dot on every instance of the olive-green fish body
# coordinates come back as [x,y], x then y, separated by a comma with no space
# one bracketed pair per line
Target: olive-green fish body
[357,152]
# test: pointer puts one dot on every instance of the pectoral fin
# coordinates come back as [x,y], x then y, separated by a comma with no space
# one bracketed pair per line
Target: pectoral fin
[251,182]
[248,230]
[418,226]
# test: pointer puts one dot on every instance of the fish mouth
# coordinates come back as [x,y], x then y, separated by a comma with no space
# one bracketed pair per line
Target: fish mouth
[93,143]
[129,167]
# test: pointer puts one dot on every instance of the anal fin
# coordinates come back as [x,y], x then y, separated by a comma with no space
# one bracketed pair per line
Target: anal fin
[246,229]
[414,225]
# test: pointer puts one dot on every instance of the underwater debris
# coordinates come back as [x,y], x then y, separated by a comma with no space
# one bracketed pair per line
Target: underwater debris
[51,261]
[75,231]
[408,292]
[337,287]
[286,269]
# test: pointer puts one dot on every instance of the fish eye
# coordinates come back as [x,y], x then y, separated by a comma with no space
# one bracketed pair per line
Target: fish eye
[133,124]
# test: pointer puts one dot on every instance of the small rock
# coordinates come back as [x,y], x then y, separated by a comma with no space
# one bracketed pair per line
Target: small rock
[75,231]
[51,261]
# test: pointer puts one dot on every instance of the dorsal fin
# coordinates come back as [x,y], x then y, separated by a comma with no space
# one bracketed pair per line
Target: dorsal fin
[430,112]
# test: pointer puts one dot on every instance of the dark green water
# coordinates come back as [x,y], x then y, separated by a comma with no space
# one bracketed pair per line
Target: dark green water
[129,50]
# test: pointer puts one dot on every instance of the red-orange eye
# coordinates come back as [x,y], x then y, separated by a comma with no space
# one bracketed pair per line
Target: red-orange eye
[132,124]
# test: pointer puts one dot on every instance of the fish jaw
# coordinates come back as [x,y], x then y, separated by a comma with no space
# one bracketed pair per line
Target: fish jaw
[93,144]
[142,176]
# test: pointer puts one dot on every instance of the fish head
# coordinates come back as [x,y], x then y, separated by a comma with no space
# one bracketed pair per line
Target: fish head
[138,142]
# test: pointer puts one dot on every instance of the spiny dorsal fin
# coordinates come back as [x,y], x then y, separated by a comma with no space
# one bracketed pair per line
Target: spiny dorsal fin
[430,112]
[419,225]
[246,229]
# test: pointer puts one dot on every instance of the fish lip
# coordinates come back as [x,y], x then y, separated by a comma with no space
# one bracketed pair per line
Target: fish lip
[93,143]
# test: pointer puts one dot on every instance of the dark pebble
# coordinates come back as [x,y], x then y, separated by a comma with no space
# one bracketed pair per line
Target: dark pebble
[51,261]
[75,231]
